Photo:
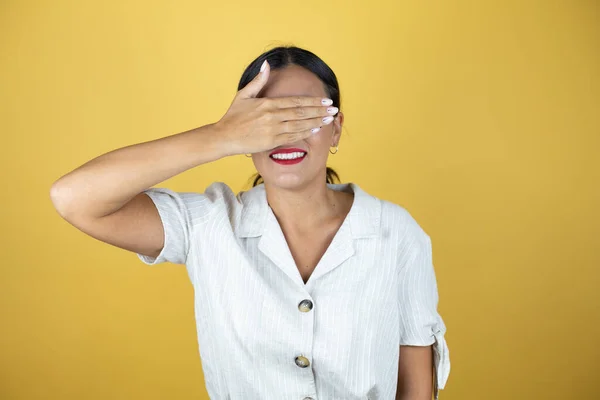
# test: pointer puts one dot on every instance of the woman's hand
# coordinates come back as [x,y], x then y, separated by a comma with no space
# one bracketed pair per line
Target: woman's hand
[256,124]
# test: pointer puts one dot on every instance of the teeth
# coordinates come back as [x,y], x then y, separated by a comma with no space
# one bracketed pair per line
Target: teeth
[288,156]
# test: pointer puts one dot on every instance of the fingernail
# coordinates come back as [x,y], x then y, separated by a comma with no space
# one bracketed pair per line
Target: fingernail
[263,66]
[315,130]
[327,102]
[332,110]
[327,120]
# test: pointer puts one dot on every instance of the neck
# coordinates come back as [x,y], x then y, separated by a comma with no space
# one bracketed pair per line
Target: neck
[304,208]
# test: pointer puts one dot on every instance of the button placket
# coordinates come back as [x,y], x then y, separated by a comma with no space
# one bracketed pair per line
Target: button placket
[303,357]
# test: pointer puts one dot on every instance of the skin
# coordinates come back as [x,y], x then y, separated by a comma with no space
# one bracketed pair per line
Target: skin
[301,200]
[415,373]
[297,193]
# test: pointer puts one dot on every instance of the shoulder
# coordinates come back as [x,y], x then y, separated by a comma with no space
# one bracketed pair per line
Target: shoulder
[216,196]
[399,217]
[400,226]
[220,192]
[404,234]
[224,200]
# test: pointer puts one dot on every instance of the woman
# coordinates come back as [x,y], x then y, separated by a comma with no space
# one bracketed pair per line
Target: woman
[304,289]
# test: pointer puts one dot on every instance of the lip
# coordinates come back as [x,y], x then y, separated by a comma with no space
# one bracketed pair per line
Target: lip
[287,151]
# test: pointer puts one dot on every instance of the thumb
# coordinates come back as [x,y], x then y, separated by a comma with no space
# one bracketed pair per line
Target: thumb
[255,86]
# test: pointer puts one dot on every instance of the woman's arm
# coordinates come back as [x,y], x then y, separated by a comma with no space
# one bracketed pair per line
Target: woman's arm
[104,199]
[422,343]
[106,183]
[415,373]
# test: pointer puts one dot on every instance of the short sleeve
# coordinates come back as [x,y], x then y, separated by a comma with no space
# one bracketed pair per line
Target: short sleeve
[420,323]
[184,216]
[174,210]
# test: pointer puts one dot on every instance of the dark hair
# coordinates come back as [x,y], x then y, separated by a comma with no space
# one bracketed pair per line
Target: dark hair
[281,57]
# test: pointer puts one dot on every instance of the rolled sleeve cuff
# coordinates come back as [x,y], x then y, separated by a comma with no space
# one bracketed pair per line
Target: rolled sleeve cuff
[166,254]
[151,260]
[441,356]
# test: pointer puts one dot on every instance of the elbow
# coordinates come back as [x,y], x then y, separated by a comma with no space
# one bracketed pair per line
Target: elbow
[60,196]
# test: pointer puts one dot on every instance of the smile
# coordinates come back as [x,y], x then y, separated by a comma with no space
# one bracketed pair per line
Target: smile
[288,157]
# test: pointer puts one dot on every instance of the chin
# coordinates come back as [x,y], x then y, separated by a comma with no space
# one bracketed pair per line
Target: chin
[285,181]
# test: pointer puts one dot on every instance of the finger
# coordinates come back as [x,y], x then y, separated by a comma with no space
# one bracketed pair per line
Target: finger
[295,113]
[303,124]
[255,86]
[300,101]
[288,138]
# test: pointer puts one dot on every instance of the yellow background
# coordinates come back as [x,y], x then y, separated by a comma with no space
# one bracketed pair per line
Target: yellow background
[481,118]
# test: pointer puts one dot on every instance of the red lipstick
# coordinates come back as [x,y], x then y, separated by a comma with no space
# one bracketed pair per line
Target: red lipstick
[288,158]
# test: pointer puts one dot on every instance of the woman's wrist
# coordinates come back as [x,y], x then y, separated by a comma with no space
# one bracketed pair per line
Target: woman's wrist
[213,142]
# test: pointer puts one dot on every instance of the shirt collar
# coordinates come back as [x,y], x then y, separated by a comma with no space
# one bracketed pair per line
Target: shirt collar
[364,217]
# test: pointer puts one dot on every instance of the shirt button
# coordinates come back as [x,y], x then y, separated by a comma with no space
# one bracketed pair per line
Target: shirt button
[305,305]
[302,362]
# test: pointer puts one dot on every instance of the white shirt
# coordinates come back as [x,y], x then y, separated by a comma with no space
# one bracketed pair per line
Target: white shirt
[265,334]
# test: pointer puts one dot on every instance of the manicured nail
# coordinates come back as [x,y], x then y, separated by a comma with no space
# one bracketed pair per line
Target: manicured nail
[263,66]
[332,110]
[315,130]
[327,102]
[327,120]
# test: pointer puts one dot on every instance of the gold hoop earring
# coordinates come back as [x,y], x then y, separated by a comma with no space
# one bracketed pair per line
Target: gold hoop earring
[248,155]
[336,149]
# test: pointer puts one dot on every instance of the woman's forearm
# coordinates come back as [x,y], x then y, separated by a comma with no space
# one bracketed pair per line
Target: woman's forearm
[415,373]
[105,183]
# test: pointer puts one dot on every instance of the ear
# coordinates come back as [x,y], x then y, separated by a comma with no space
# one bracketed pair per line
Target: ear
[337,128]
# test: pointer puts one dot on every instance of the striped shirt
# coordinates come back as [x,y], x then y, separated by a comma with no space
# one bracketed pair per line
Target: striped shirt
[265,334]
